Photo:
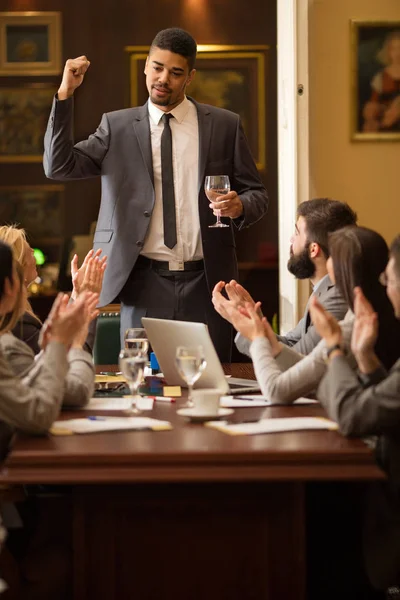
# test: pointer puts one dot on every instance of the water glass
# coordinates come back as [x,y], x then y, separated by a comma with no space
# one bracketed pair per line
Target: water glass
[190,362]
[132,367]
[135,339]
[214,186]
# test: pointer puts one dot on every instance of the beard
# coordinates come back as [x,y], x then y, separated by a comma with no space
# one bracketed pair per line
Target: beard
[301,265]
[161,101]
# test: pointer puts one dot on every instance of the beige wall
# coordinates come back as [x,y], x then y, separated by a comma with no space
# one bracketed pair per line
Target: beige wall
[364,174]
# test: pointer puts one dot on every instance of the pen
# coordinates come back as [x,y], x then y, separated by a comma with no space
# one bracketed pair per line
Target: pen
[94,418]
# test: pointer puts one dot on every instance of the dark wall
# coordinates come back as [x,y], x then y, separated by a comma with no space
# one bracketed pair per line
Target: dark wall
[101,29]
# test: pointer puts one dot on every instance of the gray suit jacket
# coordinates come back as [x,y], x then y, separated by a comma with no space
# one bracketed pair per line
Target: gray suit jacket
[371,406]
[78,385]
[304,337]
[120,152]
[32,403]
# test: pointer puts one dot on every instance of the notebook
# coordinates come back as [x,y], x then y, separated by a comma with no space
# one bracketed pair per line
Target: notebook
[165,336]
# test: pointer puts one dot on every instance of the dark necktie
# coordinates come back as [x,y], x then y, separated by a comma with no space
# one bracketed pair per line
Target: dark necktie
[167,176]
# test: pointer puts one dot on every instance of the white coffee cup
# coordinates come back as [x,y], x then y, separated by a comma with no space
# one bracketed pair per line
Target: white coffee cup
[206,401]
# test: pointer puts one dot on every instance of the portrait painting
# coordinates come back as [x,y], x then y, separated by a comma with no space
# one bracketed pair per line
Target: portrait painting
[376,73]
[230,77]
[24,112]
[30,43]
[38,209]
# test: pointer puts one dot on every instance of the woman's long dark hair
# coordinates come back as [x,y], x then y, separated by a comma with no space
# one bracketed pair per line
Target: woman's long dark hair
[6,265]
[359,256]
[9,320]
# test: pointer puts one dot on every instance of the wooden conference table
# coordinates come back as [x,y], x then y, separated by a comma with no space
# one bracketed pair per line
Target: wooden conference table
[191,513]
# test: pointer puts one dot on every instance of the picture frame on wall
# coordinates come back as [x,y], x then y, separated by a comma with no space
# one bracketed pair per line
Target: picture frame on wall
[375,80]
[230,77]
[30,43]
[24,112]
[39,209]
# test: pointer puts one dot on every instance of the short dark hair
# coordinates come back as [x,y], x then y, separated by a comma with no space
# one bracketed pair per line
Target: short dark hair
[178,41]
[395,254]
[322,216]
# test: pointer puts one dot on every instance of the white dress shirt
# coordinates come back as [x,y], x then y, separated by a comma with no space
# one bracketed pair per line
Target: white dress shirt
[185,162]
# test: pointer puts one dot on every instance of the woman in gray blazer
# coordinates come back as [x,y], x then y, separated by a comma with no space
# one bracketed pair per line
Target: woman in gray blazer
[33,402]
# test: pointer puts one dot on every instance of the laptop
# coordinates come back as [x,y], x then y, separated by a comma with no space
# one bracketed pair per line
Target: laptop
[166,335]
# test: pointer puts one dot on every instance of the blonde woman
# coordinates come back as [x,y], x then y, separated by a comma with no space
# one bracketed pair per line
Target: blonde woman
[88,278]
[33,402]
[19,342]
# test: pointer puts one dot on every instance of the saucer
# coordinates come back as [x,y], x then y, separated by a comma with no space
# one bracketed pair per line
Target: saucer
[195,417]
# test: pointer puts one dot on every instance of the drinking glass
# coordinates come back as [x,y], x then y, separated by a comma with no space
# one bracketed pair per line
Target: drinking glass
[132,367]
[190,362]
[136,340]
[214,186]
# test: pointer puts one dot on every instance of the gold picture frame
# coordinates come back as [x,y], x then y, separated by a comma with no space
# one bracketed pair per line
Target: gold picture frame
[231,77]
[37,208]
[30,43]
[375,101]
[24,112]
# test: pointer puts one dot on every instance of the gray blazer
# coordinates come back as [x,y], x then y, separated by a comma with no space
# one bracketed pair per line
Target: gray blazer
[304,337]
[371,406]
[79,381]
[120,152]
[33,402]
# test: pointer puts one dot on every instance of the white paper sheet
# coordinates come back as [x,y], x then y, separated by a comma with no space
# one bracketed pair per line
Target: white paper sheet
[108,404]
[96,424]
[273,425]
[252,401]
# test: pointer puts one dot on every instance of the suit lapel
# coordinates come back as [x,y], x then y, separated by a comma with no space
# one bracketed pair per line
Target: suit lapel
[205,123]
[141,128]
[321,291]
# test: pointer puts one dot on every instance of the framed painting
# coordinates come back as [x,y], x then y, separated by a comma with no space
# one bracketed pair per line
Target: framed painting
[37,208]
[375,80]
[30,43]
[24,112]
[231,77]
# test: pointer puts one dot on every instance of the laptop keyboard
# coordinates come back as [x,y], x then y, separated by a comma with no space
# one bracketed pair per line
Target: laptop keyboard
[237,388]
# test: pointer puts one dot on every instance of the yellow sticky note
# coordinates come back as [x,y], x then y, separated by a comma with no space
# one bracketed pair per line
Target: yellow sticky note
[165,427]
[172,390]
[60,431]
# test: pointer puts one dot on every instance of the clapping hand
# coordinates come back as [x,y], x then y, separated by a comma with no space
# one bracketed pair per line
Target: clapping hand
[238,296]
[246,319]
[67,321]
[365,329]
[325,323]
[89,277]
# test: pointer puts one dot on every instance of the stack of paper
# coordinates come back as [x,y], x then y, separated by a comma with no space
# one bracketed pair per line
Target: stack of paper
[273,425]
[252,401]
[117,403]
[110,379]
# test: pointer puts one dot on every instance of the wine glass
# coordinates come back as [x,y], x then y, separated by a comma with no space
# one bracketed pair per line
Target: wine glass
[190,362]
[132,365]
[214,186]
[136,340]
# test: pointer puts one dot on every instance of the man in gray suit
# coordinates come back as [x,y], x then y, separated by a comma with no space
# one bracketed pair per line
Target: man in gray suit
[154,220]
[308,257]
[367,403]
